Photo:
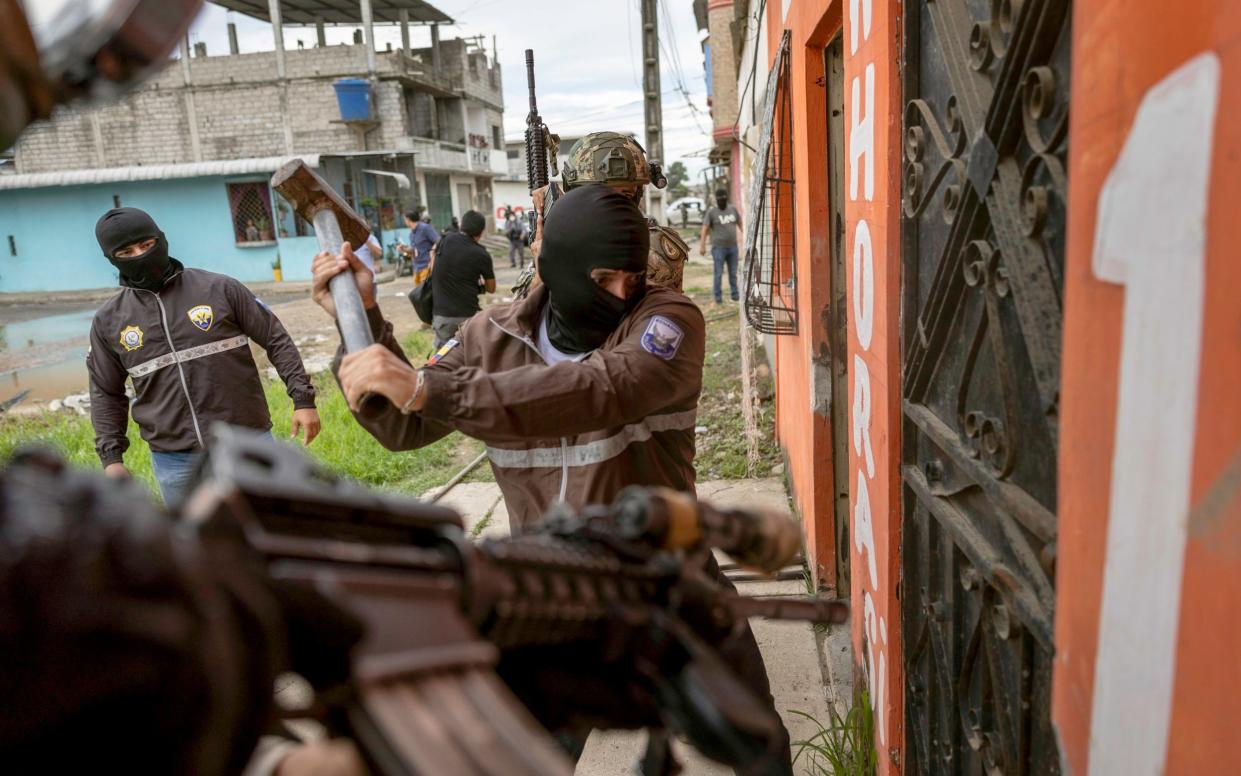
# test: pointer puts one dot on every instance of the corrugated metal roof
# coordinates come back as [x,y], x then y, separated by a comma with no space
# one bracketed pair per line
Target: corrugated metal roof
[401,179]
[338,11]
[151,172]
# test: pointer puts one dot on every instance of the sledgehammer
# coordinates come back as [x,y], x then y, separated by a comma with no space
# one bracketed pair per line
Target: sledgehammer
[334,221]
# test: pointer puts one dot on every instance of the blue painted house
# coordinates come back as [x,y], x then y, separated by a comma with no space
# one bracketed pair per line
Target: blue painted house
[220,215]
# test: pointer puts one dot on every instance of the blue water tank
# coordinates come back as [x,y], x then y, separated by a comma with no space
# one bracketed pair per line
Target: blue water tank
[354,97]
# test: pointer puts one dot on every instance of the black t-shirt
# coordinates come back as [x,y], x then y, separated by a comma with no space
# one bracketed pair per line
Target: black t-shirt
[459,263]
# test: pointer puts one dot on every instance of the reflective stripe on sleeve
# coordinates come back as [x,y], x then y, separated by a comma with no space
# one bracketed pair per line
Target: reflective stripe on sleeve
[168,359]
[595,452]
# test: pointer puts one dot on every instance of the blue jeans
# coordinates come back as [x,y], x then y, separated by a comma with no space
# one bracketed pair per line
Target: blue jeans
[174,471]
[724,256]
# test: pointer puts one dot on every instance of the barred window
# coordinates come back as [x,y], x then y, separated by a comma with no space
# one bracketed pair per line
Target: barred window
[250,206]
[770,267]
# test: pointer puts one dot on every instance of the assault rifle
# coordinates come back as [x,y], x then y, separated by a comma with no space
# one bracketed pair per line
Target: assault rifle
[606,617]
[435,654]
[542,147]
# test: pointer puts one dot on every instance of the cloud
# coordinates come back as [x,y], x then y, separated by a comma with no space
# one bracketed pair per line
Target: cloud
[587,60]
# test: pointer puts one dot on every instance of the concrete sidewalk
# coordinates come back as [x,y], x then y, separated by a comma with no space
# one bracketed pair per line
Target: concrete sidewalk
[808,671]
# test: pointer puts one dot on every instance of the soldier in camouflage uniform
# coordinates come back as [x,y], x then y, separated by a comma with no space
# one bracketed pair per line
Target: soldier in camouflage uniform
[617,160]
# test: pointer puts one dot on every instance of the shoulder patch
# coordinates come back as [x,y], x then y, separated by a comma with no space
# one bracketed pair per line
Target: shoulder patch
[662,338]
[443,351]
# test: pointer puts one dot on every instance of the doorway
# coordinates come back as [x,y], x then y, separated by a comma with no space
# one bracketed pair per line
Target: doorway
[439,199]
[837,312]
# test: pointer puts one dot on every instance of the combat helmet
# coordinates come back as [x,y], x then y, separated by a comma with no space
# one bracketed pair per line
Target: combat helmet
[610,157]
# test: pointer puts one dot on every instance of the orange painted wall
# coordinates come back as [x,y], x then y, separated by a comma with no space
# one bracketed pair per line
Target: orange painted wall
[806,436]
[1120,50]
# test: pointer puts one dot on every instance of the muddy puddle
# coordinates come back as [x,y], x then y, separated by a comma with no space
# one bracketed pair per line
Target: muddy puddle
[44,355]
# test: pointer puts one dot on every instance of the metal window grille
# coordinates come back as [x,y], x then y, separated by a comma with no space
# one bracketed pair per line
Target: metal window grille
[250,205]
[770,270]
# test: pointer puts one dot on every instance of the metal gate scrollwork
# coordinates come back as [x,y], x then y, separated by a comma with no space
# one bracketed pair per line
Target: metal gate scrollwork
[985,145]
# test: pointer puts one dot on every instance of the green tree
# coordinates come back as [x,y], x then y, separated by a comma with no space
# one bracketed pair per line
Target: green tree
[677,176]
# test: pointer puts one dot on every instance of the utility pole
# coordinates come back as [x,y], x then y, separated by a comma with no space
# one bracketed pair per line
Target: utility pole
[654,105]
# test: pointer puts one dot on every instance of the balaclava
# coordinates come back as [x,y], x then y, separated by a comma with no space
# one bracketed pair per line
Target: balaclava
[721,198]
[591,227]
[124,226]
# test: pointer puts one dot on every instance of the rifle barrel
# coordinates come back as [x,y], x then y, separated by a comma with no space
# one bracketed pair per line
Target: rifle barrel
[534,108]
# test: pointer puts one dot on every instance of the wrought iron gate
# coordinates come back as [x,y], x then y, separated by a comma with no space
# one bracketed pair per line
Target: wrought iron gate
[986,135]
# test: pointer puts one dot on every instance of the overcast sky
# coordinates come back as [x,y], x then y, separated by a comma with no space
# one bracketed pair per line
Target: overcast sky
[588,56]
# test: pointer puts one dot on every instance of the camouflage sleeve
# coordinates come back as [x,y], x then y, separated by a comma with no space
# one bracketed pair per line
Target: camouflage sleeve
[666,264]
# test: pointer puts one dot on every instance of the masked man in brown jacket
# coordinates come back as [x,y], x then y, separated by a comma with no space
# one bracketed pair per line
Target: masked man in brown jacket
[182,337]
[586,386]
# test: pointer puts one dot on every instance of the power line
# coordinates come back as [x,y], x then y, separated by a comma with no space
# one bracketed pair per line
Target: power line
[628,115]
[610,108]
[633,61]
[758,27]
[674,57]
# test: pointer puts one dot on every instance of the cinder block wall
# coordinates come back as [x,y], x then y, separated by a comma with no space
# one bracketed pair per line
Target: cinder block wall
[238,107]
[720,15]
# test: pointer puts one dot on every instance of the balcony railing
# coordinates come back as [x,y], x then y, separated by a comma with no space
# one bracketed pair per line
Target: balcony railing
[439,155]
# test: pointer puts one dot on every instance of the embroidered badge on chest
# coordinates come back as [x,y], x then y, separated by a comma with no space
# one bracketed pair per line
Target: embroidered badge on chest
[201,316]
[662,338]
[443,351]
[131,338]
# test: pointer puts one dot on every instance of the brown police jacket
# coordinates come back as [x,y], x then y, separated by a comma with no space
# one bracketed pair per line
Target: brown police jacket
[187,351]
[576,432]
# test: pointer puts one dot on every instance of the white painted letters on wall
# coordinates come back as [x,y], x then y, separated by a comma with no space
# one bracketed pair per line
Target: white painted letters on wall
[862,136]
[876,661]
[859,20]
[860,160]
[1151,236]
[864,530]
[861,414]
[863,284]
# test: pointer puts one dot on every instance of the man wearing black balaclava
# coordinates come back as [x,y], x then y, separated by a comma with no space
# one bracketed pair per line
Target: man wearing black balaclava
[723,223]
[182,337]
[586,386]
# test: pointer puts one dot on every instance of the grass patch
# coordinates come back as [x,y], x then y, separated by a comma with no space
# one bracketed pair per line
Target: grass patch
[722,448]
[349,450]
[419,345]
[343,446]
[843,747]
[74,438]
